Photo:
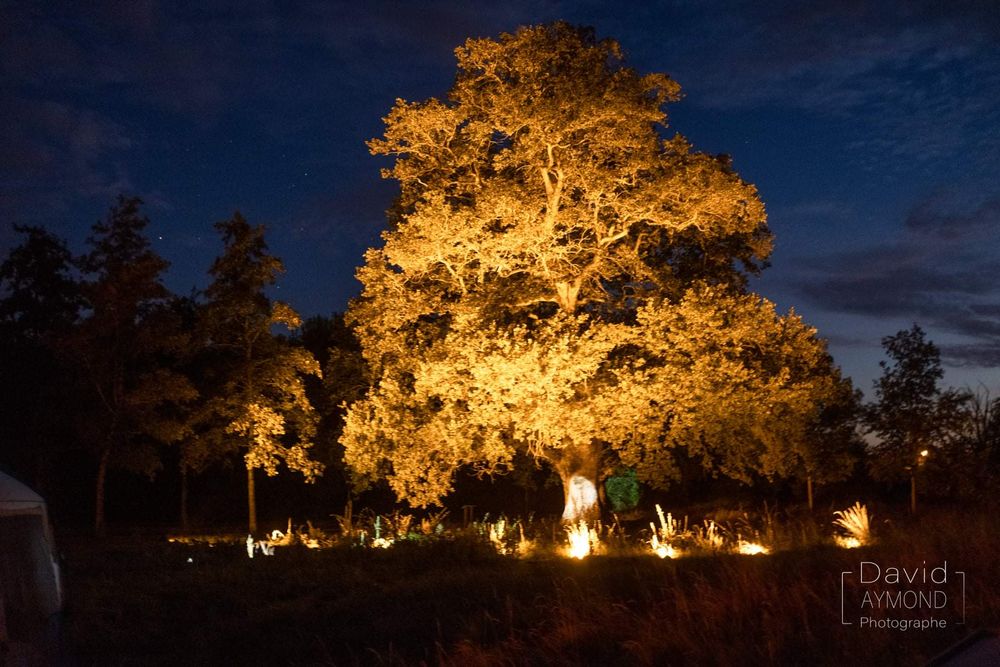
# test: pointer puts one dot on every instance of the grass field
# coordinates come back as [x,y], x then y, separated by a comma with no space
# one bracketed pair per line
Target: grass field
[142,600]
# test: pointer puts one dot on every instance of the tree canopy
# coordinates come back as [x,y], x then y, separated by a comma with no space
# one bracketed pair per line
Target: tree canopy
[41,297]
[258,404]
[912,416]
[120,348]
[39,303]
[560,279]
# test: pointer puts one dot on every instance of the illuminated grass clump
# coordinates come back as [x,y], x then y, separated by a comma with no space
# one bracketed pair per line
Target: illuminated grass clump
[709,536]
[508,538]
[672,539]
[722,532]
[663,537]
[751,548]
[583,540]
[856,523]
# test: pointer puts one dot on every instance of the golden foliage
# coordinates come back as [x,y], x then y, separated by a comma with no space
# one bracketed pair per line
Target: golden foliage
[557,276]
[261,394]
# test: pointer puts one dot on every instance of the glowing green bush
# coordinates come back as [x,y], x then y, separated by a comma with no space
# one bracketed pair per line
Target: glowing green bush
[622,490]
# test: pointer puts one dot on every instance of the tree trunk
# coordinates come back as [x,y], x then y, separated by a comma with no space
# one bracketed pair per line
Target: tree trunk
[578,468]
[184,497]
[809,491]
[102,474]
[252,501]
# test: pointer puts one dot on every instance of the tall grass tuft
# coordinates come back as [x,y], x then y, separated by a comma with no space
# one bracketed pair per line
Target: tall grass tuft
[856,522]
[583,540]
[664,537]
[709,536]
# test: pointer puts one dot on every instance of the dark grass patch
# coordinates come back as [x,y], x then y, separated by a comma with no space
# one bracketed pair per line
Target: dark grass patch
[139,601]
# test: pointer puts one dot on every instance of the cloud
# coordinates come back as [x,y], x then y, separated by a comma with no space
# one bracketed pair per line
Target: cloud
[981,355]
[941,270]
[929,218]
[86,83]
[910,84]
[826,55]
[55,152]
[353,213]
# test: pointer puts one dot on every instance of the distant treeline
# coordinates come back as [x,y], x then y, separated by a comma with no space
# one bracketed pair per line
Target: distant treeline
[109,379]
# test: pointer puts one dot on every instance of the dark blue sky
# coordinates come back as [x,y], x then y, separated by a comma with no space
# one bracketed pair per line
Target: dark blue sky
[871,131]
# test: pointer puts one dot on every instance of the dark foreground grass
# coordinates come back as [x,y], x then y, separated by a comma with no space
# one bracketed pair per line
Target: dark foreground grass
[139,601]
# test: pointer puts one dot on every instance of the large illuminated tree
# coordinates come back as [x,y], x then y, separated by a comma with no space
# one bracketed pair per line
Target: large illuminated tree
[559,279]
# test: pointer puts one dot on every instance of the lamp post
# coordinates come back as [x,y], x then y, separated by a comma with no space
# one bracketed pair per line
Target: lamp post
[921,457]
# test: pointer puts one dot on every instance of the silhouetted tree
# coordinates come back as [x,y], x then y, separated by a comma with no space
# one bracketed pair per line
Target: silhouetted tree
[41,296]
[985,428]
[345,380]
[558,280]
[968,457]
[124,349]
[258,400]
[189,359]
[40,303]
[912,417]
[834,445]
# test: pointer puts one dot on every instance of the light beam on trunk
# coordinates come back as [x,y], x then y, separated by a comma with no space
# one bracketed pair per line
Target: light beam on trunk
[581,499]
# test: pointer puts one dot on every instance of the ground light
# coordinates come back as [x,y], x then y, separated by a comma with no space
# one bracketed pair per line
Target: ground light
[670,539]
[583,540]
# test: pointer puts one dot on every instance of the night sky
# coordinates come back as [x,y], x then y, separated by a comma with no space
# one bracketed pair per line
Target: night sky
[873,136]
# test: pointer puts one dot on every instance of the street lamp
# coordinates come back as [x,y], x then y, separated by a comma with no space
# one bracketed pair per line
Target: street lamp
[913,479]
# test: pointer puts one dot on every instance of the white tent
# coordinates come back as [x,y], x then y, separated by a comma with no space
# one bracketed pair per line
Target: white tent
[29,575]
